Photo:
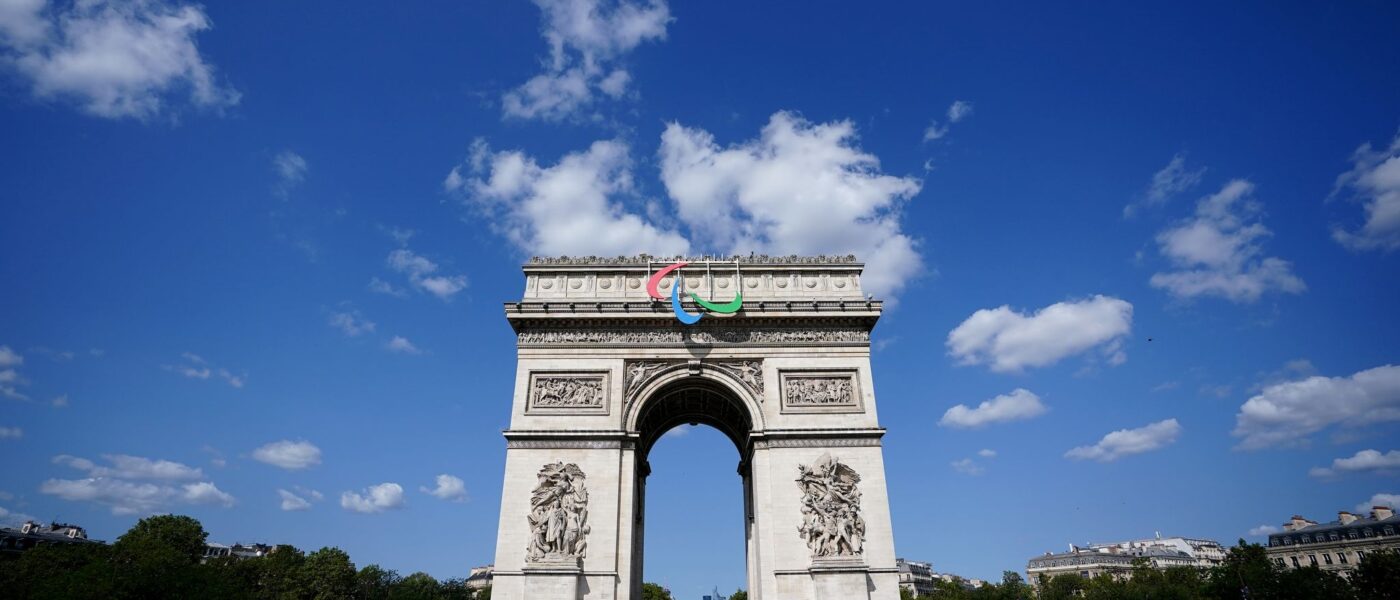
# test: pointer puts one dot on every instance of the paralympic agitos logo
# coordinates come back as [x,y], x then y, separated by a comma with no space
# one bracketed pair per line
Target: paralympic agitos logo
[728,308]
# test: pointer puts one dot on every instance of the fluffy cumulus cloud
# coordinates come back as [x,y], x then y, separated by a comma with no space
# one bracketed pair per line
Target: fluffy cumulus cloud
[288,454]
[587,39]
[1365,460]
[425,275]
[1390,500]
[1171,180]
[448,488]
[131,485]
[1374,181]
[572,207]
[1126,442]
[1219,251]
[1286,413]
[113,58]
[373,499]
[1020,404]
[799,188]
[1011,341]
[123,466]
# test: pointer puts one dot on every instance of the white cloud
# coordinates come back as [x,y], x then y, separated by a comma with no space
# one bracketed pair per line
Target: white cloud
[291,171]
[1286,413]
[424,275]
[1264,530]
[567,208]
[195,367]
[1010,341]
[9,374]
[1374,180]
[129,497]
[448,488]
[114,58]
[799,188]
[376,498]
[288,454]
[1166,183]
[383,287]
[1126,442]
[1365,460]
[11,433]
[987,453]
[958,111]
[401,345]
[1020,404]
[11,518]
[585,38]
[60,401]
[351,323]
[967,466]
[291,501]
[10,358]
[124,466]
[1391,500]
[1219,251]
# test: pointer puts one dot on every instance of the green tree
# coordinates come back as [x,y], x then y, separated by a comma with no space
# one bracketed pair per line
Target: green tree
[1246,573]
[279,573]
[59,571]
[158,558]
[374,582]
[651,591]
[328,574]
[1061,587]
[1378,576]
[739,595]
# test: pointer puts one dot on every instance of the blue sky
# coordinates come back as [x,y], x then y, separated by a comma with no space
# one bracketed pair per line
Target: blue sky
[268,245]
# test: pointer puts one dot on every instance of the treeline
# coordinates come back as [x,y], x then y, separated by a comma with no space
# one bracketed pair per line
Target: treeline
[160,557]
[1246,574]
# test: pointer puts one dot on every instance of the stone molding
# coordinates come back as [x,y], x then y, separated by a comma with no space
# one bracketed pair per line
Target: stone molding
[706,333]
[645,259]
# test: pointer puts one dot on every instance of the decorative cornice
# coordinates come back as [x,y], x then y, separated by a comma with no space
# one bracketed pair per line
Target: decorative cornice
[781,332]
[644,259]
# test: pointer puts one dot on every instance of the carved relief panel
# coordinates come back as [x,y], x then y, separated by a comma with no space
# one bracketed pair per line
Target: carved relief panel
[572,393]
[820,392]
[832,524]
[558,514]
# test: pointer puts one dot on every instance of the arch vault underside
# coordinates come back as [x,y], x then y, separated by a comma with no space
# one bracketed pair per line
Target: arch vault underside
[603,372]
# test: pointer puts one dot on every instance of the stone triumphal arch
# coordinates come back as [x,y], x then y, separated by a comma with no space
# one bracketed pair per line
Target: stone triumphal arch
[605,368]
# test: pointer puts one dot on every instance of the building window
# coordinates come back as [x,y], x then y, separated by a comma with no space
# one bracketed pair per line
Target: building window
[1332,536]
[1360,554]
[1312,560]
[1352,534]
[1307,539]
[1279,561]
[1327,558]
[1288,541]
[1389,530]
[1368,533]
[1295,561]
[1342,557]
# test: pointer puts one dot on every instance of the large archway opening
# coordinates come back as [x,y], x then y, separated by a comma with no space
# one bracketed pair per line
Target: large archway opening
[694,516]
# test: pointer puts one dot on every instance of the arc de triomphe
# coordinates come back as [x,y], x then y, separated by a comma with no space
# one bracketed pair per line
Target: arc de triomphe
[605,368]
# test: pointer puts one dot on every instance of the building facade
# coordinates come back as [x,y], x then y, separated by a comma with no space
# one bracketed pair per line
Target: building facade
[32,533]
[239,551]
[915,576]
[479,578]
[1338,546]
[1118,558]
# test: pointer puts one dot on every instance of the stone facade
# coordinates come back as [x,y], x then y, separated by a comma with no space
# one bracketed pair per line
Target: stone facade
[1336,547]
[1117,558]
[604,371]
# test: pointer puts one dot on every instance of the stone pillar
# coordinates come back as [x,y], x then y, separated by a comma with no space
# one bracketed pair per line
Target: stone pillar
[554,578]
[842,578]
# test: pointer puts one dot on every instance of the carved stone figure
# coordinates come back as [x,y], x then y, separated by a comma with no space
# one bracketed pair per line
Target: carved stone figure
[831,519]
[748,371]
[638,372]
[818,391]
[568,392]
[558,514]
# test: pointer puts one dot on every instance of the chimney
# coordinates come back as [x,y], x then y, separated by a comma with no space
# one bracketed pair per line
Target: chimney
[1296,523]
[1381,513]
[1345,517]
